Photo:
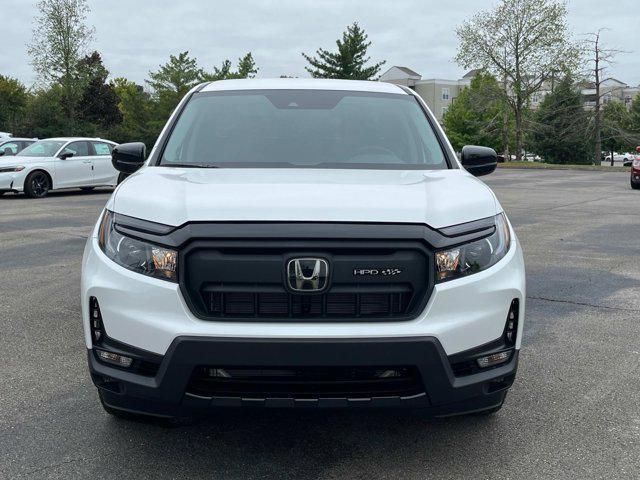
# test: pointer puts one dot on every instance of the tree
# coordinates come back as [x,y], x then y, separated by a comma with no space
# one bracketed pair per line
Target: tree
[476,116]
[99,102]
[13,102]
[60,38]
[617,134]
[523,43]
[559,132]
[348,62]
[136,108]
[599,59]
[634,116]
[177,76]
[44,115]
[172,82]
[246,69]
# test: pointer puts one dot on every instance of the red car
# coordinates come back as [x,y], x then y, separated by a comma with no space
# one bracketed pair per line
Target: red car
[635,171]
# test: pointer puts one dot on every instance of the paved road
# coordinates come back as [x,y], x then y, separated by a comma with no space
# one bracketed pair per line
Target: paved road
[574,411]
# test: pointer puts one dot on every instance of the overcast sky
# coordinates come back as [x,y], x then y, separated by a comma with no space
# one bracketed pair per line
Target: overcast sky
[135,36]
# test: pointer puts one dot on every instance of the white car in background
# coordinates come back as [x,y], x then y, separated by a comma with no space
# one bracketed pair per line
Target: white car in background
[57,163]
[11,146]
[624,158]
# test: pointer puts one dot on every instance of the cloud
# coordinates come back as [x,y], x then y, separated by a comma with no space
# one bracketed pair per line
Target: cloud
[135,36]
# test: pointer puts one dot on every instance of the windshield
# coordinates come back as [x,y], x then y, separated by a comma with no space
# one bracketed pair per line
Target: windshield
[43,148]
[303,128]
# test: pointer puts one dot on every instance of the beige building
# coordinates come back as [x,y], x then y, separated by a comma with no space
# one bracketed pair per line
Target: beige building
[611,90]
[436,92]
[439,93]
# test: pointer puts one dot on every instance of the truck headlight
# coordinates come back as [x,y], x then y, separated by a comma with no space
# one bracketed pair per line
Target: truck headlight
[136,255]
[475,256]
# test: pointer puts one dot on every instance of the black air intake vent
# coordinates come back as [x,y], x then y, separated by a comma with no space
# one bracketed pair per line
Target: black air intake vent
[389,303]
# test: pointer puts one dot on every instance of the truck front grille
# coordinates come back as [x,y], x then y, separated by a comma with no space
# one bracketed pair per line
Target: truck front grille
[249,280]
[341,305]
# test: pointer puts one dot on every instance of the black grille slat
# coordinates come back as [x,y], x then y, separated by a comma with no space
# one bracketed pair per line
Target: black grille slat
[341,304]
[307,382]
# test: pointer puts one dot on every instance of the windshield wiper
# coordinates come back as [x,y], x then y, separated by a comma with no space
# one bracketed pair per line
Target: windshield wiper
[189,165]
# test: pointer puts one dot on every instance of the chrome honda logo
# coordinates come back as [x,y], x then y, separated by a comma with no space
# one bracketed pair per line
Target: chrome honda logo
[308,274]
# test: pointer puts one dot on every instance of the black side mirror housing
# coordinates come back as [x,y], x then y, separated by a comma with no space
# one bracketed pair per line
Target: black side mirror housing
[479,161]
[65,155]
[128,157]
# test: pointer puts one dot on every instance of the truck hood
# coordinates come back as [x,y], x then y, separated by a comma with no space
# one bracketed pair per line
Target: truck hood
[174,196]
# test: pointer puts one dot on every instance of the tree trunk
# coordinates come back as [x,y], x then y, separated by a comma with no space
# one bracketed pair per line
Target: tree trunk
[598,118]
[518,132]
[505,136]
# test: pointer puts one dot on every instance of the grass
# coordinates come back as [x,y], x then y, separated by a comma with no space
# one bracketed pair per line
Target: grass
[553,166]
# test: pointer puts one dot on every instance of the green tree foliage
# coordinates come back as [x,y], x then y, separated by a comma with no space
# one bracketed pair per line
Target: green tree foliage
[476,117]
[44,115]
[522,42]
[634,117]
[559,127]
[60,38]
[180,74]
[617,128]
[348,62]
[136,108]
[99,101]
[13,103]
[246,69]
[170,83]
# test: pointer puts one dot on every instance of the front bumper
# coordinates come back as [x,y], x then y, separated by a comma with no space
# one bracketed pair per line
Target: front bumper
[150,314]
[167,392]
[12,181]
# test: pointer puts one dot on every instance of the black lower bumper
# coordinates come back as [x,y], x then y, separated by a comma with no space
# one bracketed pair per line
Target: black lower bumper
[165,392]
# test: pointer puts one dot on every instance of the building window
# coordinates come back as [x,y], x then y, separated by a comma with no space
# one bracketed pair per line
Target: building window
[444,111]
[445,94]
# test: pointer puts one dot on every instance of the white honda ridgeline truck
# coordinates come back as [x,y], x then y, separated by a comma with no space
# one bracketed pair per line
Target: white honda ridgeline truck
[302,243]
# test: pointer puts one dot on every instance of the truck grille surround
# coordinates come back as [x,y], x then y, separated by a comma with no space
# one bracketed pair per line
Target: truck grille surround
[249,281]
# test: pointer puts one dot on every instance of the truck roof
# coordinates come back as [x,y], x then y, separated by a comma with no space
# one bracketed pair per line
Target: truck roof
[303,84]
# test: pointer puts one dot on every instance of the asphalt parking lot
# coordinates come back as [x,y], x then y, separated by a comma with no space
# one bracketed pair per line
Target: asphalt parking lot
[574,411]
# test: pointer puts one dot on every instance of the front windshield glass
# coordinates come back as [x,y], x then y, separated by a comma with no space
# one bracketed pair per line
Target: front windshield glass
[303,128]
[43,148]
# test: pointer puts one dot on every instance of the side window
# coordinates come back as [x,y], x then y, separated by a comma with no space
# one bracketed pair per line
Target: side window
[79,149]
[12,147]
[101,148]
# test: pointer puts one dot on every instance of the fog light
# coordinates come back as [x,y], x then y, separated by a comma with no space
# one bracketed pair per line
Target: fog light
[114,358]
[495,359]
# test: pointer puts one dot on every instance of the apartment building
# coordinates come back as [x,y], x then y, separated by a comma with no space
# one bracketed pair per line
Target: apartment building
[438,93]
[611,90]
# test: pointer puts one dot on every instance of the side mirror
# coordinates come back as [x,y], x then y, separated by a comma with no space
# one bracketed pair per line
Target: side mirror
[128,157]
[65,155]
[479,161]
